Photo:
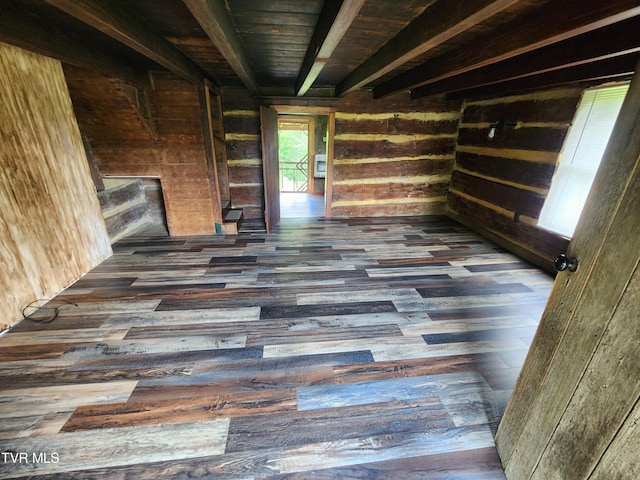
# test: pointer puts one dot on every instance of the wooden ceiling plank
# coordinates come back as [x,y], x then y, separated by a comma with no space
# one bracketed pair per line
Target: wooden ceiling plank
[610,69]
[616,40]
[554,22]
[438,23]
[217,24]
[107,18]
[334,21]
[25,31]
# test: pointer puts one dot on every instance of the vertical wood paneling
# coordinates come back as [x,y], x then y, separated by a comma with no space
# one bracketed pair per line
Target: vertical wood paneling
[604,397]
[173,150]
[499,184]
[244,157]
[618,460]
[393,156]
[48,239]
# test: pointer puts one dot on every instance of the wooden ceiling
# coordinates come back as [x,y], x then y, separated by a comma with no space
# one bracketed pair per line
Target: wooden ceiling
[331,47]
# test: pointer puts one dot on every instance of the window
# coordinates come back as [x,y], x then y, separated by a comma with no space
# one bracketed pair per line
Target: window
[580,158]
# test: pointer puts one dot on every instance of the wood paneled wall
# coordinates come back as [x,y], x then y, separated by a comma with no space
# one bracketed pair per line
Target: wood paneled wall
[48,239]
[499,184]
[392,156]
[244,157]
[156,133]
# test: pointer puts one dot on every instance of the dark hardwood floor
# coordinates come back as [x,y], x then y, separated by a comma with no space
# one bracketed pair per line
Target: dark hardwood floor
[330,349]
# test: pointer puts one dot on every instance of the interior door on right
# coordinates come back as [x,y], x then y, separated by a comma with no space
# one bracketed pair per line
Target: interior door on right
[574,412]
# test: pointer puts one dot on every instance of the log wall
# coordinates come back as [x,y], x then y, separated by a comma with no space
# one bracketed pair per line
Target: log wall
[499,185]
[130,205]
[48,239]
[392,156]
[244,153]
[159,136]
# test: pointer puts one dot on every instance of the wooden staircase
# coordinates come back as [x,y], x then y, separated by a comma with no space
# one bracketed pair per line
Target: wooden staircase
[232,218]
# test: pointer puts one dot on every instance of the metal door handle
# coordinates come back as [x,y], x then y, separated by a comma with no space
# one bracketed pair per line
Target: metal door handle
[562,263]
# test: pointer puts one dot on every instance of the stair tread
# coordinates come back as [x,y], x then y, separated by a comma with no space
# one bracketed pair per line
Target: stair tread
[233,215]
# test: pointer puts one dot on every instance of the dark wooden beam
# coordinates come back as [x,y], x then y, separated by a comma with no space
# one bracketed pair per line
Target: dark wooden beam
[611,69]
[334,21]
[438,23]
[19,28]
[106,17]
[551,23]
[615,40]
[299,105]
[217,24]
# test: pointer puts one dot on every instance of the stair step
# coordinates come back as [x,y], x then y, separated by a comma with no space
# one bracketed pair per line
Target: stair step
[252,225]
[226,206]
[234,215]
[232,221]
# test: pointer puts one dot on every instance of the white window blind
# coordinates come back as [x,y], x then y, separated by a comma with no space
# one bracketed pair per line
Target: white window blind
[581,154]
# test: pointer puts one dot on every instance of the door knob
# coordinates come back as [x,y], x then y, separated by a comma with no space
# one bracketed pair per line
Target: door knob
[562,263]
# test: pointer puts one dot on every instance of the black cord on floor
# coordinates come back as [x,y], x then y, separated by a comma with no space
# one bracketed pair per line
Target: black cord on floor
[37,308]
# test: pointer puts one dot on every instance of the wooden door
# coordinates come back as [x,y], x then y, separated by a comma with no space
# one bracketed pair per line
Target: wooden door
[574,412]
[270,170]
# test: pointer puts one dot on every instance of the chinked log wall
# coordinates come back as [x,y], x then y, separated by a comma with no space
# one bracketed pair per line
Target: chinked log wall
[499,185]
[132,205]
[393,156]
[244,157]
[168,145]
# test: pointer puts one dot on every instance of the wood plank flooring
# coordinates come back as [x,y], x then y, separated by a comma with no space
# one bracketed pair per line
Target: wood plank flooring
[301,205]
[351,349]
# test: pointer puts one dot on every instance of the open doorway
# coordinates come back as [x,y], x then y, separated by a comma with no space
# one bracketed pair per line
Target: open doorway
[302,165]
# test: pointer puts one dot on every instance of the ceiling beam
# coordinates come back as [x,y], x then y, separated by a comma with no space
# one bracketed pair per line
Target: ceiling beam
[19,28]
[105,16]
[553,22]
[214,19]
[335,19]
[610,69]
[608,42]
[437,24]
